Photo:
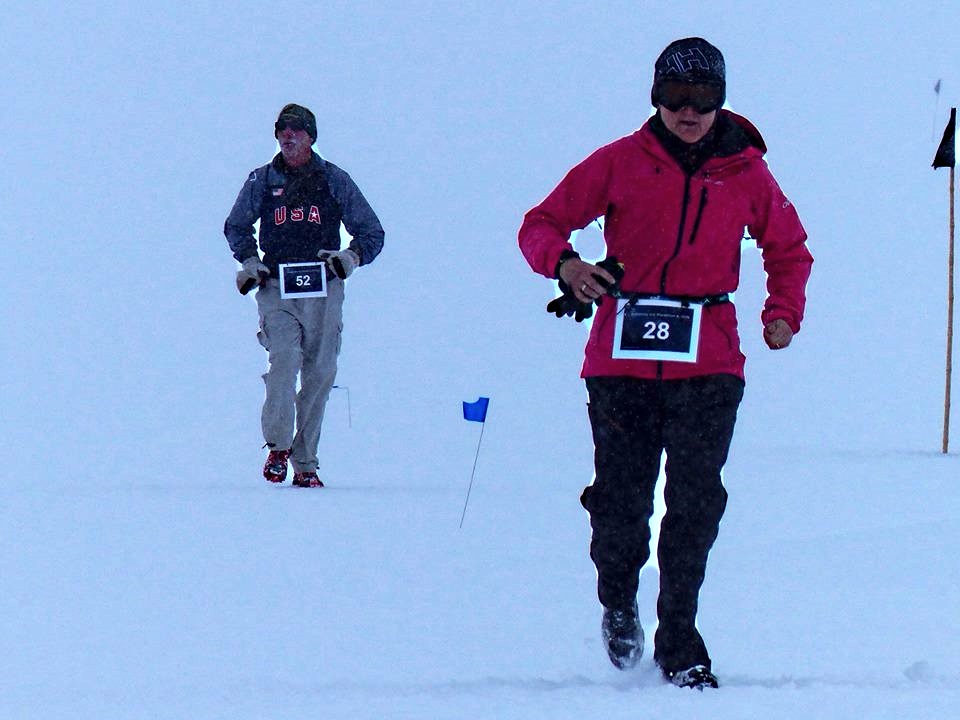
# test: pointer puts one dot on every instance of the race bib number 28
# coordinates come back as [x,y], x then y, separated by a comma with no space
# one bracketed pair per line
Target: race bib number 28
[657,329]
[303,280]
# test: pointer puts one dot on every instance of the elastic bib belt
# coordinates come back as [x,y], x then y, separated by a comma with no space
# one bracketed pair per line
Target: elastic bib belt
[704,300]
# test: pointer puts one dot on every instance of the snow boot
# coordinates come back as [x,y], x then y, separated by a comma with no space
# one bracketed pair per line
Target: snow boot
[622,636]
[275,468]
[698,677]
[307,479]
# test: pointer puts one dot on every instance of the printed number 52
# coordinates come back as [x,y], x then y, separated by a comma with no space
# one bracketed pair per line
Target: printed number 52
[303,280]
[656,331]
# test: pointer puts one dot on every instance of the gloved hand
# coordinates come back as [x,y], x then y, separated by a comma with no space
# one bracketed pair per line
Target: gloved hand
[341,262]
[251,274]
[567,304]
[570,302]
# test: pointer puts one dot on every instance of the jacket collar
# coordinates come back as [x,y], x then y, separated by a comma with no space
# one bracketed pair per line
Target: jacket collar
[280,165]
[731,136]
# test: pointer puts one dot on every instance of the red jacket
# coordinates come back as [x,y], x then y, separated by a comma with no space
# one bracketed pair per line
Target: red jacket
[646,198]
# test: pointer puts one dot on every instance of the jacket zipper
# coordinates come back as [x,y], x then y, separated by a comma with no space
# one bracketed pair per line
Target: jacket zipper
[676,250]
[700,207]
[683,223]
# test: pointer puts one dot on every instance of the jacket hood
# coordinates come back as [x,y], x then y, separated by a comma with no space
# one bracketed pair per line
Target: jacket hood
[754,138]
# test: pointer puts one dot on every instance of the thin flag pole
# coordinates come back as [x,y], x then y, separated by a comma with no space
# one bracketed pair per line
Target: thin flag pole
[349,411]
[946,398]
[474,412]
[483,425]
[946,157]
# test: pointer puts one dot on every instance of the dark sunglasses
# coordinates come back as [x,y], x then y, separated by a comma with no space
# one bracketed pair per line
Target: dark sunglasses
[702,97]
[293,124]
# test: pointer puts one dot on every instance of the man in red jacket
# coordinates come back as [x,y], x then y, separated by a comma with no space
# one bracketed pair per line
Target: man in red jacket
[663,366]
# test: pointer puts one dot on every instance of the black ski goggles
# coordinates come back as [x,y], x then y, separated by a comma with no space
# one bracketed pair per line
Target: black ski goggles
[702,97]
[292,123]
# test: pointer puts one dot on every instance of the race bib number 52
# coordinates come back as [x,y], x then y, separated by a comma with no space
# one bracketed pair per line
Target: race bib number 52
[657,329]
[303,280]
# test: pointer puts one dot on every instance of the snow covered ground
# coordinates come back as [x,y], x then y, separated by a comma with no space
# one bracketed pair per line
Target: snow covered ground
[147,571]
[831,593]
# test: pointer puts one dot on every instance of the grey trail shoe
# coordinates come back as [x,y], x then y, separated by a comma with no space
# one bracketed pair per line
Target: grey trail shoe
[698,677]
[622,636]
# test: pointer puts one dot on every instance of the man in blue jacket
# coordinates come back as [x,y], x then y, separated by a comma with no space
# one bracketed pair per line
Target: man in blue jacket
[300,201]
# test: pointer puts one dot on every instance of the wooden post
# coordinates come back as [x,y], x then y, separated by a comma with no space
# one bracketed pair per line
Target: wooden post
[946,157]
[946,398]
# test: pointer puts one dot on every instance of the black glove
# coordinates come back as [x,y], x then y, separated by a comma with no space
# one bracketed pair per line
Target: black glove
[568,304]
[612,266]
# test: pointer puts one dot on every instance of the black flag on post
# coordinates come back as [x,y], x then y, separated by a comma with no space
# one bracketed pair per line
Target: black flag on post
[947,152]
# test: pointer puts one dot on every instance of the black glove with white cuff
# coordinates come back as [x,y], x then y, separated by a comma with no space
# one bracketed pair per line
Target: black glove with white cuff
[342,262]
[252,274]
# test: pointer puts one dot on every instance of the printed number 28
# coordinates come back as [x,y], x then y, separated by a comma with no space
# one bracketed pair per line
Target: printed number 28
[303,280]
[656,331]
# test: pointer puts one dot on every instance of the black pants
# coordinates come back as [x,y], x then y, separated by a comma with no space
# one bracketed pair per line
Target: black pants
[634,421]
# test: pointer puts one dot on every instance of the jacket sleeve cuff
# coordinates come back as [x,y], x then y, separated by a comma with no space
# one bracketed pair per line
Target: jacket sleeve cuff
[564,256]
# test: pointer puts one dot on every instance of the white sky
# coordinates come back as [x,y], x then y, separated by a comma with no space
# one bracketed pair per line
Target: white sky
[130,130]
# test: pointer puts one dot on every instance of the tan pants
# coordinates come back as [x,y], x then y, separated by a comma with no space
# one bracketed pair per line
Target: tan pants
[302,337]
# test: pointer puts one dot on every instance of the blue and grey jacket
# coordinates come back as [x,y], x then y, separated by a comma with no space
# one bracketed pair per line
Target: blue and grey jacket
[300,214]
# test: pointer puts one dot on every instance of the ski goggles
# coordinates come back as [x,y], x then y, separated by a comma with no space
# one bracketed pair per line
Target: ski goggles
[702,97]
[292,123]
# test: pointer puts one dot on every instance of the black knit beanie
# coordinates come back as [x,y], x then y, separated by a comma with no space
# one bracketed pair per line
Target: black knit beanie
[692,60]
[293,111]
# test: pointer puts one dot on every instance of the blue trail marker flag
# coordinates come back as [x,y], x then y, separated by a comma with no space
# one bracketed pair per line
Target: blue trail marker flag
[476,411]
